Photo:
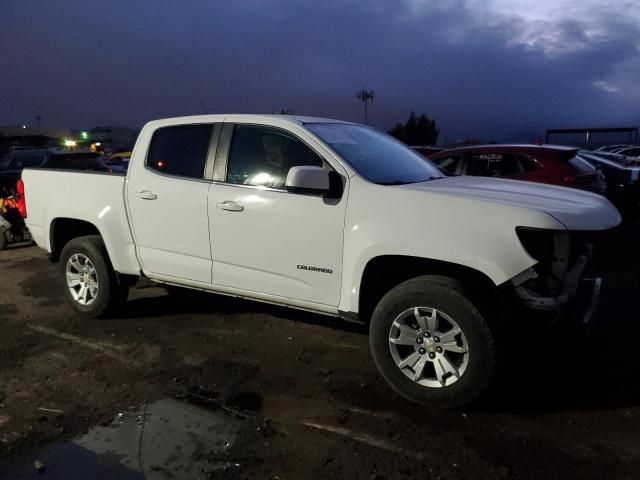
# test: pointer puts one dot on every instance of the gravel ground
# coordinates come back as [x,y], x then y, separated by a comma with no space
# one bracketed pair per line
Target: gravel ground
[299,392]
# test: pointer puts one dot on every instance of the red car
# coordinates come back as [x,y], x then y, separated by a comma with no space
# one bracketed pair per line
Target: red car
[535,163]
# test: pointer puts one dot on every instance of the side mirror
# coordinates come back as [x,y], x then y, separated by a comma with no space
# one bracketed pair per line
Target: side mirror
[314,180]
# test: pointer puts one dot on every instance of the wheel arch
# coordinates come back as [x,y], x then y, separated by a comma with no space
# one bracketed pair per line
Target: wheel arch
[63,229]
[382,273]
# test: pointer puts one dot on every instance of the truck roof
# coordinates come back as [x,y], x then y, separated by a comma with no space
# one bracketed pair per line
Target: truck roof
[210,118]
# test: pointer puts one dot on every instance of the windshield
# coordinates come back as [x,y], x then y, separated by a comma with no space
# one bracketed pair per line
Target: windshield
[377,157]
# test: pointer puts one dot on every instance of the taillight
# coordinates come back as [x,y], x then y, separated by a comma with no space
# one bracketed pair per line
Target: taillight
[22,204]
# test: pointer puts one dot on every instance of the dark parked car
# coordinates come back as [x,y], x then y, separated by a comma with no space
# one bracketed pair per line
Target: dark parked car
[623,178]
[13,164]
[611,148]
[551,164]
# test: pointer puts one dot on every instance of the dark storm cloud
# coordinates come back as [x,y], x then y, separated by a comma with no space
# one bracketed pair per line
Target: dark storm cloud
[125,62]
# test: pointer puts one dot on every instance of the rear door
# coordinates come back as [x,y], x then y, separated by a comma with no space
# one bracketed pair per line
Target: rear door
[265,239]
[167,201]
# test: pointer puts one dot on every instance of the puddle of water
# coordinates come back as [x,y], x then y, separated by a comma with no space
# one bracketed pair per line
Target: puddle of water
[165,439]
[249,401]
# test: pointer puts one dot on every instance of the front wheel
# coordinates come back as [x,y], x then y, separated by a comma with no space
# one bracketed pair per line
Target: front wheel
[91,285]
[431,344]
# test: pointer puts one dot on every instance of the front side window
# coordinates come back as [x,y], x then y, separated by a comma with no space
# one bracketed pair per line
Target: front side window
[449,163]
[262,156]
[377,157]
[492,165]
[180,150]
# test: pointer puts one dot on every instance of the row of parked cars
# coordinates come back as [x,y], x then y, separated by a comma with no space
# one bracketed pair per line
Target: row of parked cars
[612,171]
[12,228]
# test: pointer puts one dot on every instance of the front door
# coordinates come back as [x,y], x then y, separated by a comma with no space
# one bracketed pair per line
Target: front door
[268,240]
[167,199]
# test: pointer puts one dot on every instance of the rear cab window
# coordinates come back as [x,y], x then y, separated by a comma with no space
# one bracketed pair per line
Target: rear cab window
[492,164]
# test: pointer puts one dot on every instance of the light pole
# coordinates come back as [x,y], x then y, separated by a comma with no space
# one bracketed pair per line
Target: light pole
[366,96]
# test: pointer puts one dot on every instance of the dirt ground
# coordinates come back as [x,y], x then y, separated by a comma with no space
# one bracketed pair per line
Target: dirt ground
[304,390]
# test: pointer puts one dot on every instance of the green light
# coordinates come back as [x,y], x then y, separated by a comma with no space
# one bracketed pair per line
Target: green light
[84,135]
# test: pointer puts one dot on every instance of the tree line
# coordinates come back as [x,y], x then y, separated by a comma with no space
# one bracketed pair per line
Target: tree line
[416,131]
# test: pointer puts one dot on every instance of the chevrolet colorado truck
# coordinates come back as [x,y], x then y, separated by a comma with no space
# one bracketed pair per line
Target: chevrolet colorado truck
[326,216]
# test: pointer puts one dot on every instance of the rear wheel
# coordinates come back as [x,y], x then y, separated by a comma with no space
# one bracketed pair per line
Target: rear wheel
[92,286]
[431,344]
[3,240]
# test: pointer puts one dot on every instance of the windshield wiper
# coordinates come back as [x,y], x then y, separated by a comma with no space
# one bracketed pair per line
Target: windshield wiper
[395,182]
[403,182]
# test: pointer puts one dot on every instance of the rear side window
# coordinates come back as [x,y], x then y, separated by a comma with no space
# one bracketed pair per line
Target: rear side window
[449,163]
[528,164]
[492,164]
[582,166]
[180,150]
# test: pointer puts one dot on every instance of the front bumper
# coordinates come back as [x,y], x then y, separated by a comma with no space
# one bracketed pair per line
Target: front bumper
[570,284]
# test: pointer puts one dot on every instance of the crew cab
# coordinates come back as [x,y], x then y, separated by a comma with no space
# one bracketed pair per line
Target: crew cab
[325,216]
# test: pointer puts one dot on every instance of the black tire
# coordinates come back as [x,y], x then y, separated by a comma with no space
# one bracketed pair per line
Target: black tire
[111,293]
[3,241]
[447,296]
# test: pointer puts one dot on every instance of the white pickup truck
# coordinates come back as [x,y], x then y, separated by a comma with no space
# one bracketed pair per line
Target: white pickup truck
[329,217]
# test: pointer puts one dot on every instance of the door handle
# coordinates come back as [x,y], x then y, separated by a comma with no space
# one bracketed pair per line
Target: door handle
[230,206]
[146,195]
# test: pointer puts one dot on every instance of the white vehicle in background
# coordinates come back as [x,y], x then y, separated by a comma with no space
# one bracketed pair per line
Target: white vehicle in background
[611,148]
[629,152]
[622,175]
[330,217]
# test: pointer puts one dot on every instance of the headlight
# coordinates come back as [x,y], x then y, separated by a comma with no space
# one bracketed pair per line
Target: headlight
[539,243]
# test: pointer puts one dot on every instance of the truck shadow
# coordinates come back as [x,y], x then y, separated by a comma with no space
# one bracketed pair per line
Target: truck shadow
[544,369]
[554,370]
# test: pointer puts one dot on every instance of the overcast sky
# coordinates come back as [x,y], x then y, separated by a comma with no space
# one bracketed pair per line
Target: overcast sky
[502,69]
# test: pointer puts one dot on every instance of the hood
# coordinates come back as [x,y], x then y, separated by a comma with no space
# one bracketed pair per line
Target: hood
[575,209]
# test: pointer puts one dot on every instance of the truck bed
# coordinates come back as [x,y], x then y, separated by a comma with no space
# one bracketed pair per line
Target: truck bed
[93,197]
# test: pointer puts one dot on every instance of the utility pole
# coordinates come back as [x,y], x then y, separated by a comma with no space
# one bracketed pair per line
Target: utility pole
[204,107]
[366,96]
[38,118]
